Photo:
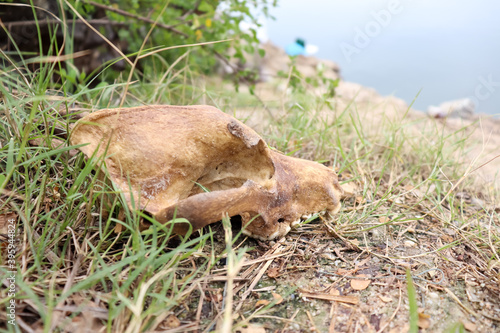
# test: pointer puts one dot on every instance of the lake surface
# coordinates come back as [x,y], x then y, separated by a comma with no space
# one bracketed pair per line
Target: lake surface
[445,49]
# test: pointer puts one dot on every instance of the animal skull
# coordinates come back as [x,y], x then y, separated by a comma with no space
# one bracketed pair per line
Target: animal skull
[159,155]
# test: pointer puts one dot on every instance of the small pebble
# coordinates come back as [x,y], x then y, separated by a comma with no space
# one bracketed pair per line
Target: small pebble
[409,243]
[434,295]
[477,202]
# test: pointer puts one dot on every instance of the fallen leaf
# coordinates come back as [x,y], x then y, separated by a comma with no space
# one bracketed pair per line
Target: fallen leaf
[383,219]
[447,239]
[349,190]
[397,271]
[262,302]
[334,292]
[118,228]
[360,200]
[469,326]
[121,214]
[273,272]
[423,320]
[54,143]
[171,322]
[216,296]
[385,299]
[277,298]
[432,273]
[342,271]
[360,284]
[355,241]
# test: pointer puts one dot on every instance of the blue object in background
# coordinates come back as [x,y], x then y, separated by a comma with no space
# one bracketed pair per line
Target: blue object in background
[296,48]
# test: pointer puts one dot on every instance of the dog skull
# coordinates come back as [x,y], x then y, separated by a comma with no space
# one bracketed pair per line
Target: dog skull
[161,155]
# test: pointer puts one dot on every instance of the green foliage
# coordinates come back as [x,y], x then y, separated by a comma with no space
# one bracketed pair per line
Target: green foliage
[180,22]
[141,39]
[300,84]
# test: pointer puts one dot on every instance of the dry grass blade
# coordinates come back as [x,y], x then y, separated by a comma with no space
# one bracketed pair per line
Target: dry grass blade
[233,267]
[328,297]
[11,194]
[311,319]
[258,276]
[462,305]
[57,315]
[58,58]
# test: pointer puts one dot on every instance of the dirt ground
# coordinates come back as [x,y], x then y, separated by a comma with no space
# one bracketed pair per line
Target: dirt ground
[332,277]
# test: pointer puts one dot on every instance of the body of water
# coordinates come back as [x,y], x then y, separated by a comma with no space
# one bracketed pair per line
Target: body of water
[444,49]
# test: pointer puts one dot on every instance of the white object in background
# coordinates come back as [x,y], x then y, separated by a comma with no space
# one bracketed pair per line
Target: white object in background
[460,108]
[311,49]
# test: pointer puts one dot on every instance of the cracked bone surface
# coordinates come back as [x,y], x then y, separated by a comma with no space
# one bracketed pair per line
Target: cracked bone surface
[158,156]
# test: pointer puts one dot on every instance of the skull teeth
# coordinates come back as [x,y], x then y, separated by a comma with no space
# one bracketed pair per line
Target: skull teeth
[272,236]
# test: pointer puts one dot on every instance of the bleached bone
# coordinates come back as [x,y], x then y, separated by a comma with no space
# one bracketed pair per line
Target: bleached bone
[162,157]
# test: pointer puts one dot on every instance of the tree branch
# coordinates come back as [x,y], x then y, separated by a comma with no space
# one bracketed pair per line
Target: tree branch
[134,16]
[53,21]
